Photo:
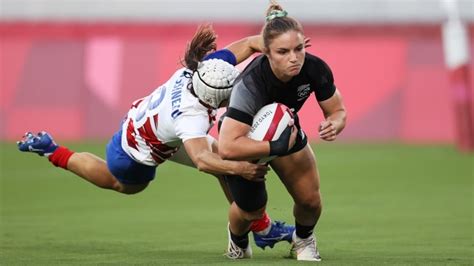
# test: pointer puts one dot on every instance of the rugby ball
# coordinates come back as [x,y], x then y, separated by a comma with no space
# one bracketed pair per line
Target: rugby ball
[269,123]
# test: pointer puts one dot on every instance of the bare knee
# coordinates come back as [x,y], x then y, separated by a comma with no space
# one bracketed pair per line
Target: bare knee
[311,202]
[254,215]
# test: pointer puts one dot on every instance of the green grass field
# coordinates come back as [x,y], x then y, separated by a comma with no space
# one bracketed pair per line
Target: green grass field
[383,204]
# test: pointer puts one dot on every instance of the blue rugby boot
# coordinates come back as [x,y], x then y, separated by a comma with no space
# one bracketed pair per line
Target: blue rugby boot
[278,232]
[41,144]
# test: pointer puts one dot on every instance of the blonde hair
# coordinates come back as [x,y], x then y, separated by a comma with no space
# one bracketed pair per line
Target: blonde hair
[277,23]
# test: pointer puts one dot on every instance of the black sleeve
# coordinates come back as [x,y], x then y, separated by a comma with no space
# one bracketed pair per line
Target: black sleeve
[239,116]
[322,78]
[245,101]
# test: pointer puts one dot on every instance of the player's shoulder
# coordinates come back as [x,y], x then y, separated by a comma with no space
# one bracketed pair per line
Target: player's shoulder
[178,80]
[190,104]
[182,73]
[252,73]
[256,65]
[180,101]
[313,59]
[313,62]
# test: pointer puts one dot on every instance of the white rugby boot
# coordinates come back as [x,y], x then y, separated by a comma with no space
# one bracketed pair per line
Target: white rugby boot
[305,249]
[235,252]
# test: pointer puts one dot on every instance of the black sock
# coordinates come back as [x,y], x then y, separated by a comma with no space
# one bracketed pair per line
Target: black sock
[303,231]
[241,241]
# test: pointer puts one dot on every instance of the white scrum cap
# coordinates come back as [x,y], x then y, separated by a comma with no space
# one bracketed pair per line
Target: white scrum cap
[213,81]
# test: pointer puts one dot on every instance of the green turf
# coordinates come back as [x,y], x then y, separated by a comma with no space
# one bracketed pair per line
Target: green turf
[383,204]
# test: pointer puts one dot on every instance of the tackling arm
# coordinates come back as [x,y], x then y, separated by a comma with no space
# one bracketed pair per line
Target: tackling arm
[235,145]
[200,152]
[244,48]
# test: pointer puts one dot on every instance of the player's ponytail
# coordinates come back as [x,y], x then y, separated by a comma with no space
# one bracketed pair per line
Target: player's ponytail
[277,23]
[203,42]
[274,10]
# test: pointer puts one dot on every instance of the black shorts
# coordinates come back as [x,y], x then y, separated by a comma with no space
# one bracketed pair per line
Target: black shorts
[248,195]
[251,196]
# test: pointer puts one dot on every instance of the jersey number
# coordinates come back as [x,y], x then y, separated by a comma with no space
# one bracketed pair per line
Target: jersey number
[152,103]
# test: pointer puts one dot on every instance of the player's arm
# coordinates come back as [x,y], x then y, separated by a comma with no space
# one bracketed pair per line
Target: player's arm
[200,152]
[335,114]
[234,144]
[244,48]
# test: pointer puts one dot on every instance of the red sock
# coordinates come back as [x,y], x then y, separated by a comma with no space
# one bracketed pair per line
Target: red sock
[260,224]
[60,157]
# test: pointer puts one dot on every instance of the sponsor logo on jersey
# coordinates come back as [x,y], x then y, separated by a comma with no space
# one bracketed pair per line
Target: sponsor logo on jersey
[303,92]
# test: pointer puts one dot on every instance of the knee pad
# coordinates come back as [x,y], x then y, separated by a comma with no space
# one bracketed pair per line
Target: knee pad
[249,196]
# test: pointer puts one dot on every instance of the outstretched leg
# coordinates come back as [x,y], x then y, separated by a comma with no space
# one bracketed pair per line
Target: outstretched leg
[94,169]
[86,165]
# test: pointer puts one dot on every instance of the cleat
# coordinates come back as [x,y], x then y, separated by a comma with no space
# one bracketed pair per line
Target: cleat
[278,232]
[28,136]
[305,249]
[235,252]
[41,144]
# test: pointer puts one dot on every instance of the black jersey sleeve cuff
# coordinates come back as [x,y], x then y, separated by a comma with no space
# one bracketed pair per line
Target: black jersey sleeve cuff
[326,94]
[239,116]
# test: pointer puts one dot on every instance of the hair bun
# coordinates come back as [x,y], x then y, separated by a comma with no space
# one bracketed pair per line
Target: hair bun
[276,14]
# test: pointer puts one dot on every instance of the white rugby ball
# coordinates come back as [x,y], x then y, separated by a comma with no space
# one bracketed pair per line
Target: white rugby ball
[269,123]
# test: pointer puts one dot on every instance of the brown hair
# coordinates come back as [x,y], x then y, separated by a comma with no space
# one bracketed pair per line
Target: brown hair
[278,23]
[203,42]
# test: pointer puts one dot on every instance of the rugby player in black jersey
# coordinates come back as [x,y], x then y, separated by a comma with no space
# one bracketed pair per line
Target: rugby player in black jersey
[285,73]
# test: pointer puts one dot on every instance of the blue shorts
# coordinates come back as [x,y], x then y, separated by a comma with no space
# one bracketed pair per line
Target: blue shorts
[124,168]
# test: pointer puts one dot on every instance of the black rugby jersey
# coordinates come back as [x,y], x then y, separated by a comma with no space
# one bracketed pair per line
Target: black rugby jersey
[258,86]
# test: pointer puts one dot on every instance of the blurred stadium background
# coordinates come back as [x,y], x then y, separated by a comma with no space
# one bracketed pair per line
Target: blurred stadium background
[396,189]
[74,67]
